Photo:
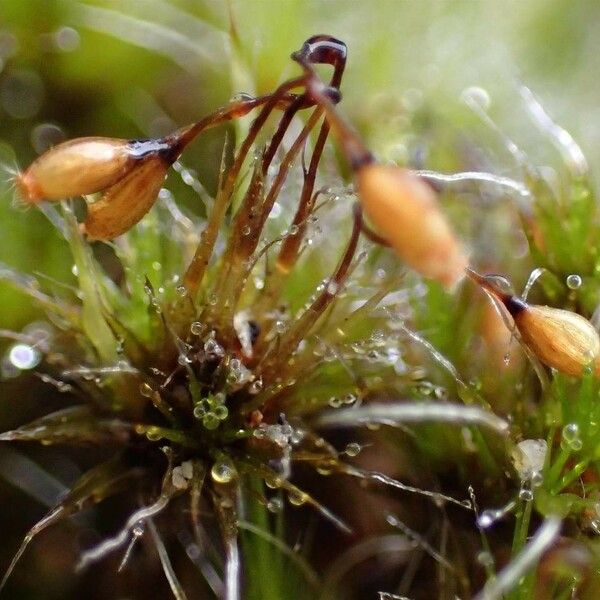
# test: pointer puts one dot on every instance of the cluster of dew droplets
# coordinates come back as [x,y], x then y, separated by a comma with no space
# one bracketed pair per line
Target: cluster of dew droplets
[238,374]
[211,411]
[571,438]
[284,436]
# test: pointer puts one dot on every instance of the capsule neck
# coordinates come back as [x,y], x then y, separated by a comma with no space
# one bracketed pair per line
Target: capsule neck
[514,305]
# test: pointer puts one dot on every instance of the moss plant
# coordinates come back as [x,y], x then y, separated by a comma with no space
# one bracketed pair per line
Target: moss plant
[216,365]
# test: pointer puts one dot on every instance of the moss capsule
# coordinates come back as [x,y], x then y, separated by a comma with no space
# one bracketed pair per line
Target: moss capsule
[75,168]
[405,212]
[127,201]
[561,339]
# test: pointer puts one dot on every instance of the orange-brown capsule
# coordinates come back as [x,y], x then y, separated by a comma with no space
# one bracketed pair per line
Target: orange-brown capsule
[405,212]
[561,339]
[75,168]
[127,201]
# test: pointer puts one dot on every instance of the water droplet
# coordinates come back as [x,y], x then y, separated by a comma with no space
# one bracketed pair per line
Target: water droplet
[485,559]
[576,445]
[246,230]
[525,495]
[324,469]
[146,390]
[184,360]
[196,328]
[223,471]
[138,529]
[221,412]
[212,299]
[201,409]
[255,387]
[181,290]
[353,449]
[280,326]
[242,97]
[293,230]
[332,288]
[476,97]
[297,497]
[24,356]
[537,479]
[210,421]
[211,346]
[75,270]
[274,505]
[570,432]
[153,434]
[440,393]
[349,399]
[334,402]
[272,481]
[487,518]
[574,281]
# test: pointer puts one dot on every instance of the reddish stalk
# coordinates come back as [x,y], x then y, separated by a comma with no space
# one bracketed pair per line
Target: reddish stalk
[195,272]
[300,328]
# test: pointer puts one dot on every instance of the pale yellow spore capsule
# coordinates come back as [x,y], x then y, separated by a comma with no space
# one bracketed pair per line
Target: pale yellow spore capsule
[76,168]
[126,202]
[405,212]
[561,339]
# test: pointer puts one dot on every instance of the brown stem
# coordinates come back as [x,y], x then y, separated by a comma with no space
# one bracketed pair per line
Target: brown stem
[374,237]
[248,243]
[234,110]
[195,272]
[293,336]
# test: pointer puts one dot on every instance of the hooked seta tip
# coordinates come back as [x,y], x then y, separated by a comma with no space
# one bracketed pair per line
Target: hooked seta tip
[489,286]
[480,279]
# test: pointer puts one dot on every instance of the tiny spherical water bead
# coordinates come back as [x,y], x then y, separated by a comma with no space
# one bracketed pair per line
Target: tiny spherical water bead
[405,212]
[223,471]
[574,281]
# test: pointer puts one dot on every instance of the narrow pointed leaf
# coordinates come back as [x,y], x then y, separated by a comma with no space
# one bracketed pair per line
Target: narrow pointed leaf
[77,425]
